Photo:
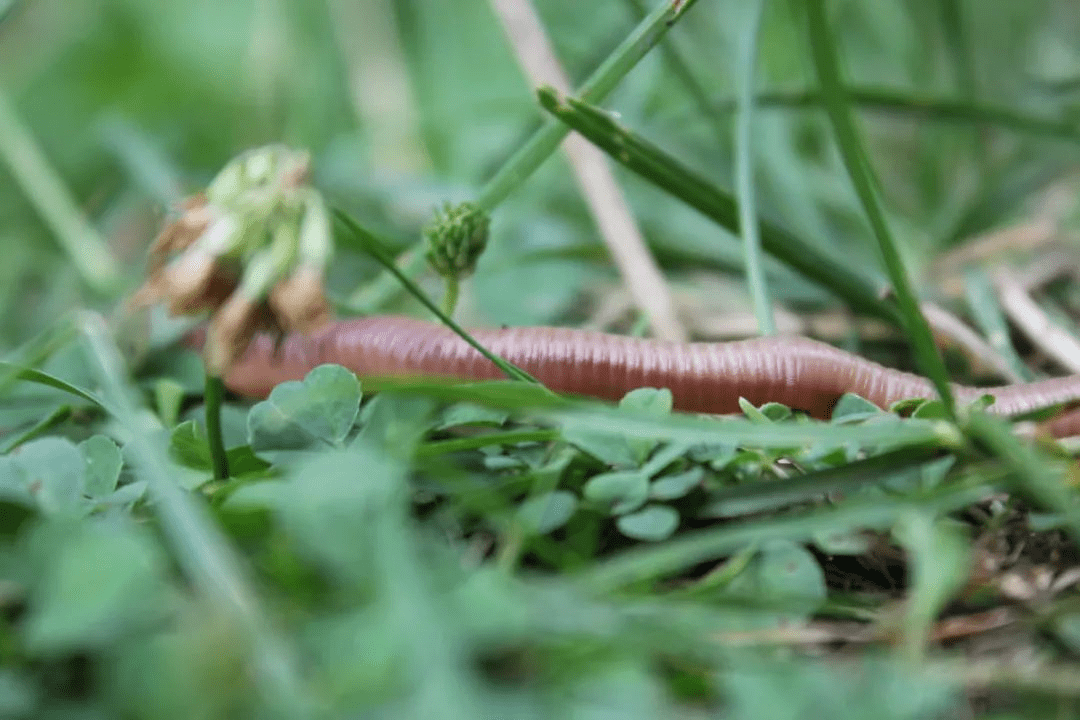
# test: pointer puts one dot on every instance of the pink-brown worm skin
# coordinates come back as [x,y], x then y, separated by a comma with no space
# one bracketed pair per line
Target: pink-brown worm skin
[703,377]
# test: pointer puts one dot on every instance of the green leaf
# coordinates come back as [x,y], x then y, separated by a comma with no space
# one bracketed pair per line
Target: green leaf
[604,444]
[716,456]
[768,413]
[701,545]
[103,464]
[653,402]
[907,406]
[19,695]
[234,420]
[13,486]
[667,456]
[500,463]
[320,408]
[752,413]
[257,495]
[544,513]
[1030,473]
[187,446]
[333,502]
[781,570]
[940,564]
[168,397]
[1044,522]
[470,414]
[395,422]
[125,495]
[596,87]
[786,686]
[243,461]
[615,448]
[746,64]
[101,580]
[54,472]
[918,478]
[650,401]
[620,491]
[672,487]
[776,411]
[850,408]
[1067,629]
[930,410]
[651,523]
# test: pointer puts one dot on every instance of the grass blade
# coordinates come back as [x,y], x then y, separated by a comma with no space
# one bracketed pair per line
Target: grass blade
[985,310]
[955,33]
[827,66]
[746,64]
[504,437]
[46,190]
[544,141]
[843,479]
[532,402]
[678,66]
[201,548]
[41,427]
[936,109]
[634,152]
[44,378]
[1031,474]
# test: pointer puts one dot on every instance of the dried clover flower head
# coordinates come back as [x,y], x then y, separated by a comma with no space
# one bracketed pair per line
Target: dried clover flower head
[252,251]
[298,301]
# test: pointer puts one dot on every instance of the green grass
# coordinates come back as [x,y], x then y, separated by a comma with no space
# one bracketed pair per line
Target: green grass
[462,550]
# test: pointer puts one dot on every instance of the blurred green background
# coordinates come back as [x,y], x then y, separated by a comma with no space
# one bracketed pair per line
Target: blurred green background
[408,103]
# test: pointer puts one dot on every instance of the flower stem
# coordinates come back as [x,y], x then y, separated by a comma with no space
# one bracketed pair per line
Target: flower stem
[450,297]
[215,389]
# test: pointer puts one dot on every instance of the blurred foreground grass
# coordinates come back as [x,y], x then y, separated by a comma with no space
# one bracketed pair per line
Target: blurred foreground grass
[485,551]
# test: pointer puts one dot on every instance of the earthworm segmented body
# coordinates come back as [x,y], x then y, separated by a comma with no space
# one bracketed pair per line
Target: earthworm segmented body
[703,377]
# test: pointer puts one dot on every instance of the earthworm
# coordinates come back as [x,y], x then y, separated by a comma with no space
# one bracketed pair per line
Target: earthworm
[703,377]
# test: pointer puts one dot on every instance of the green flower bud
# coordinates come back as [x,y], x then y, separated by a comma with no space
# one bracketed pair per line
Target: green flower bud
[456,237]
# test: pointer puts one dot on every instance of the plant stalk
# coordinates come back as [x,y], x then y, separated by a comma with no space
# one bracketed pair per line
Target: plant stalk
[545,140]
[215,389]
